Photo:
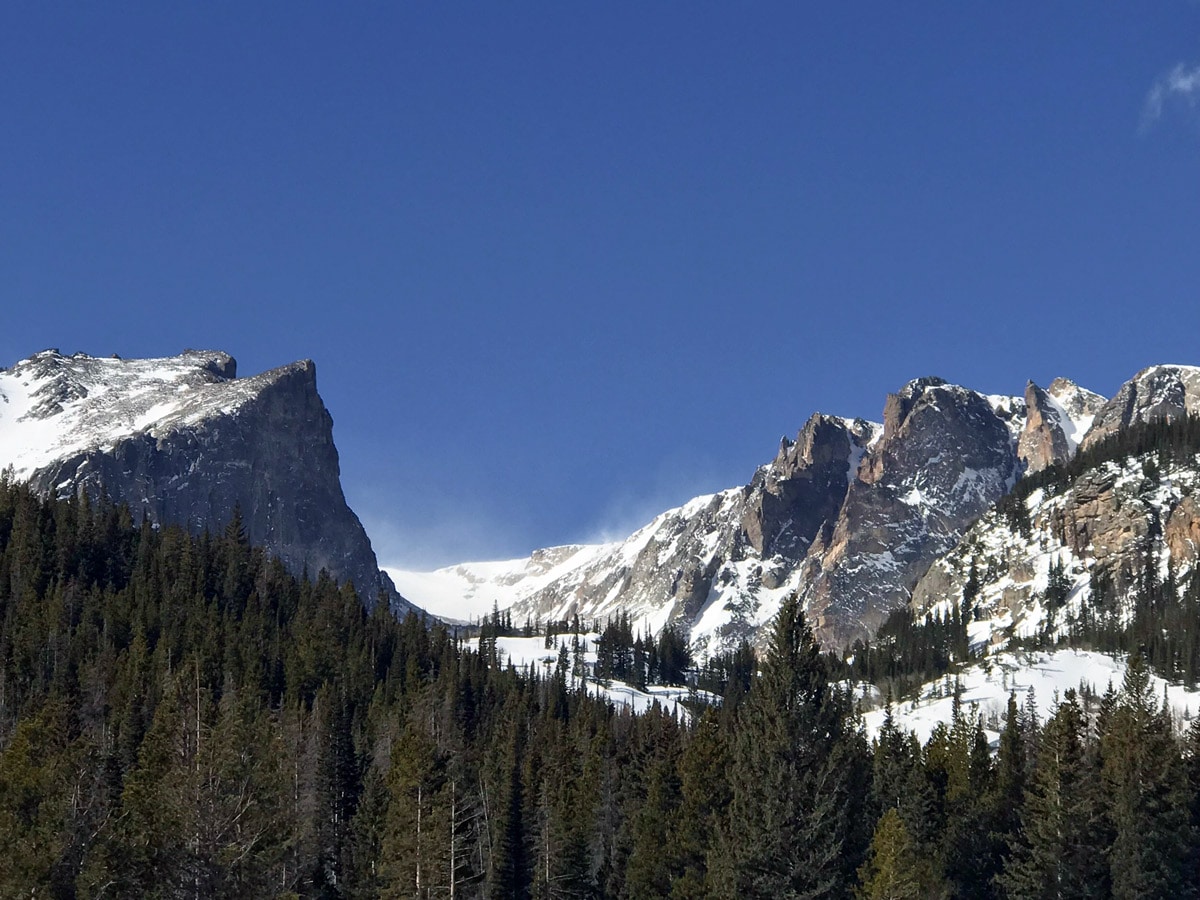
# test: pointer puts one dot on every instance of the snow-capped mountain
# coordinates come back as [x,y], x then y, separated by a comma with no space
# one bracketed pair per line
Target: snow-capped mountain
[851,513]
[1157,392]
[184,440]
[1106,523]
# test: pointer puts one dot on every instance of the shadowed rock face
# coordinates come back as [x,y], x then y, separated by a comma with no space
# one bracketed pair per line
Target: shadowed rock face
[182,440]
[1057,419]
[802,489]
[1044,441]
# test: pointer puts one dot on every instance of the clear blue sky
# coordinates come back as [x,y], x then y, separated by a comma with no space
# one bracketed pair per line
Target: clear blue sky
[563,265]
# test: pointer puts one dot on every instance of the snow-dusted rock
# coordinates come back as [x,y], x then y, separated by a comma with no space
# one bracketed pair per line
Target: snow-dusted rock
[1057,420]
[850,514]
[1157,392]
[183,440]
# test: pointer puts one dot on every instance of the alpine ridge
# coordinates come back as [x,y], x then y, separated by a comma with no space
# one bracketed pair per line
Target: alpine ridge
[184,440]
[850,515]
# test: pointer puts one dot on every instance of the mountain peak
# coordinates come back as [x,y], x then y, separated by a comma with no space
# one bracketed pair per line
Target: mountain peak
[183,440]
[1156,392]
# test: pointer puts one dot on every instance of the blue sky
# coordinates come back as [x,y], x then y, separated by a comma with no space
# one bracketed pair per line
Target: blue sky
[563,265]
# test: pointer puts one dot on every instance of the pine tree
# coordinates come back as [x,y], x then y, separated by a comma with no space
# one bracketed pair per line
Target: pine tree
[417,828]
[1143,780]
[1058,852]
[704,798]
[509,877]
[34,794]
[788,830]
[896,869]
[899,782]
[654,860]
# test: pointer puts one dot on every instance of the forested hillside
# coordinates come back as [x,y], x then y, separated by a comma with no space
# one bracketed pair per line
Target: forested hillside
[179,717]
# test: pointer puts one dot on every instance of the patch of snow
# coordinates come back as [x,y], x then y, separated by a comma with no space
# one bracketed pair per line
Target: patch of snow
[532,655]
[986,686]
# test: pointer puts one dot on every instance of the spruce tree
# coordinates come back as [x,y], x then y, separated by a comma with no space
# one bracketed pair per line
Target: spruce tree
[896,869]
[1058,853]
[788,830]
[704,798]
[1144,783]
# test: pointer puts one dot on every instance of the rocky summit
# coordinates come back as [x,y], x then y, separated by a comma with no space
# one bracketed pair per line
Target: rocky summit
[1155,393]
[856,517]
[850,514]
[184,440]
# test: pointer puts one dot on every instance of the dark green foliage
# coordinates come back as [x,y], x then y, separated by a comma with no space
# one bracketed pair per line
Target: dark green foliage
[704,799]
[1060,851]
[1145,792]
[897,869]
[179,717]
[1157,620]
[908,651]
[797,778]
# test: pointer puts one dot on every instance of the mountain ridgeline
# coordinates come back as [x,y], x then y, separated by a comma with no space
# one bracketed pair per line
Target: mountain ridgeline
[850,515]
[182,716]
[183,440]
[857,518]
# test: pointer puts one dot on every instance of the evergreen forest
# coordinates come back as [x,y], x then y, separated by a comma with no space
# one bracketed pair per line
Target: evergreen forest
[180,717]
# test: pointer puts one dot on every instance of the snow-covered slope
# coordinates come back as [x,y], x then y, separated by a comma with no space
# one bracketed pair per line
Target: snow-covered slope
[657,575]
[532,654]
[850,514]
[718,566]
[1108,522]
[469,591]
[54,406]
[183,440]
[986,685]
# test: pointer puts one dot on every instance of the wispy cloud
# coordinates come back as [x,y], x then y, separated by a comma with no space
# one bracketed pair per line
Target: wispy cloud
[1180,85]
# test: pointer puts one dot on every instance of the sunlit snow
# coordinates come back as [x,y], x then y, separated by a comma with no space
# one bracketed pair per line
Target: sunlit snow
[986,685]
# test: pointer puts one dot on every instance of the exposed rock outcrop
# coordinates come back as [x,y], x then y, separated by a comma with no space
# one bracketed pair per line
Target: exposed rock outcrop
[946,455]
[1056,422]
[1108,524]
[183,440]
[850,514]
[1158,392]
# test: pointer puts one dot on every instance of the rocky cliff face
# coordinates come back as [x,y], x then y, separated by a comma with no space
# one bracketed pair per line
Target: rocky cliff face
[183,440]
[720,565]
[946,455]
[1057,419]
[851,514]
[800,491]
